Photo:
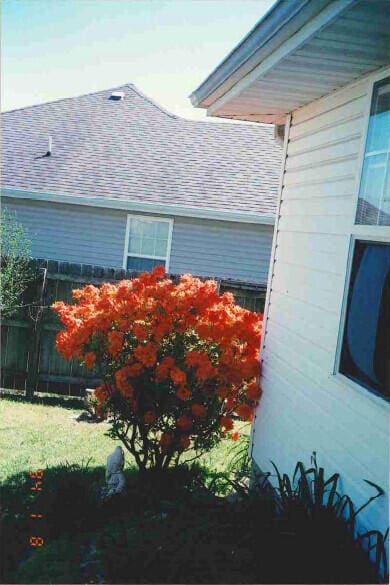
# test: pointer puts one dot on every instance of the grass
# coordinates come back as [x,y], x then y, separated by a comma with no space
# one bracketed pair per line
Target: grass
[172,528]
[36,436]
[39,436]
[42,434]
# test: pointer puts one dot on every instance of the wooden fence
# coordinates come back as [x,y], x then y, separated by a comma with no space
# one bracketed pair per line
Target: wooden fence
[29,360]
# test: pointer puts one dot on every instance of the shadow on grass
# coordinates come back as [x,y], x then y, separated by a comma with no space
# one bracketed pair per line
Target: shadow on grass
[47,533]
[71,403]
[168,528]
[51,510]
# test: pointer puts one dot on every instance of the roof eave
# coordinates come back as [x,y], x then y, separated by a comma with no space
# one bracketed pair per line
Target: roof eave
[250,51]
[143,207]
[293,29]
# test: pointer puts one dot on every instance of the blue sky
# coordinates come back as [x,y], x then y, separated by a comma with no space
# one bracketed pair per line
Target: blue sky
[59,48]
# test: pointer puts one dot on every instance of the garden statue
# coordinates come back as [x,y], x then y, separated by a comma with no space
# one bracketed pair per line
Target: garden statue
[115,478]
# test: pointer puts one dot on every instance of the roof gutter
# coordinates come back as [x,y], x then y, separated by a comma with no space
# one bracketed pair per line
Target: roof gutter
[143,207]
[248,53]
[285,27]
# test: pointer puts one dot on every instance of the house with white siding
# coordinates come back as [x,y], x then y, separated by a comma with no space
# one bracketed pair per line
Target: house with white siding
[114,180]
[320,69]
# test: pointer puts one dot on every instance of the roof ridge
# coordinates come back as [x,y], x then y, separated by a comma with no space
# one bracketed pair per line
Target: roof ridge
[73,97]
[142,95]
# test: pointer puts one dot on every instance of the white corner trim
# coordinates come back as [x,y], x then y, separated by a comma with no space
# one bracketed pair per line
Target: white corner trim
[143,207]
[126,246]
[272,262]
[276,231]
[169,246]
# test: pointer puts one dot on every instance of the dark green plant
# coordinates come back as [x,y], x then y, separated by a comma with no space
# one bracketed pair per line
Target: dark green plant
[240,475]
[57,562]
[15,260]
[172,528]
[240,463]
[309,495]
[67,504]
[237,470]
[310,488]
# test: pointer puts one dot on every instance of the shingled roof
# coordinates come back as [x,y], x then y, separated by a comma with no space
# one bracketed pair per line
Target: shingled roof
[134,150]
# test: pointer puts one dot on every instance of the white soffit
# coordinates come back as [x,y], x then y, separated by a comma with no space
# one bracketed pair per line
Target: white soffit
[342,43]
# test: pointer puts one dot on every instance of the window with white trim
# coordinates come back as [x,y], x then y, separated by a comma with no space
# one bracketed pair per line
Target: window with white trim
[148,242]
[364,355]
[374,193]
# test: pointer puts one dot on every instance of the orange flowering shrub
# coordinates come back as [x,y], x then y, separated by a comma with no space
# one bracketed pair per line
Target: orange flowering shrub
[179,361]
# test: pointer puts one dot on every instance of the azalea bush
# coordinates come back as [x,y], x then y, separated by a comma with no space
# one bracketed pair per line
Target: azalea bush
[179,362]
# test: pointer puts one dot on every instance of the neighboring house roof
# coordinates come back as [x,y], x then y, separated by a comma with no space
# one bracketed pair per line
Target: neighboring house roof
[298,52]
[134,150]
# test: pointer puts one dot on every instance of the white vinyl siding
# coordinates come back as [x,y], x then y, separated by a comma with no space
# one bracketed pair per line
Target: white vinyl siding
[305,407]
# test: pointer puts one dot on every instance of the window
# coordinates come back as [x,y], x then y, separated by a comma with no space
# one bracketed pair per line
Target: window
[374,194]
[148,242]
[365,354]
[364,341]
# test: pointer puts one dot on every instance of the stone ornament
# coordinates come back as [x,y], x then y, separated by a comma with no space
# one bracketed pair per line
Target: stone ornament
[115,478]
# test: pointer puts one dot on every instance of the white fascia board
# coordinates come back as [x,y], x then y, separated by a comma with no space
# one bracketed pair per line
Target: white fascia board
[269,32]
[292,44]
[143,207]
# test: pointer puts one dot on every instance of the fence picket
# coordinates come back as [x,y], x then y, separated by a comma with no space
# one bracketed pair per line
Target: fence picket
[29,359]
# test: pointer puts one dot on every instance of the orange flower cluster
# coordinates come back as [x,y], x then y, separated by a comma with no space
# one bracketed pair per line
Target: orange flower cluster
[115,343]
[199,410]
[177,357]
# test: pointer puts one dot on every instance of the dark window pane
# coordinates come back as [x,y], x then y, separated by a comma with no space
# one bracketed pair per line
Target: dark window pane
[365,354]
[143,264]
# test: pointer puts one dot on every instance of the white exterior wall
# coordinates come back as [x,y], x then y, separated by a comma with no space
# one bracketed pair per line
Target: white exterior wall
[305,407]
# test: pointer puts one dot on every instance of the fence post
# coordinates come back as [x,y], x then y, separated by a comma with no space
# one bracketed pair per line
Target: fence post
[35,341]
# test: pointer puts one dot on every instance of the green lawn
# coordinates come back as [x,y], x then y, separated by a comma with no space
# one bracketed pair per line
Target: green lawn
[37,436]
[172,528]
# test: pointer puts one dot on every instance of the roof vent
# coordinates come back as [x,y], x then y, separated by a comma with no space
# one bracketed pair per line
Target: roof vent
[117,95]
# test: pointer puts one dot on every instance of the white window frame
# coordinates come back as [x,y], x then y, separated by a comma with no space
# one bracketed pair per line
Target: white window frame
[164,259]
[364,233]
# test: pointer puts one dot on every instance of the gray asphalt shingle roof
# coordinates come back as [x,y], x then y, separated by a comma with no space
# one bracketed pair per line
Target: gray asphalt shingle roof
[134,150]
